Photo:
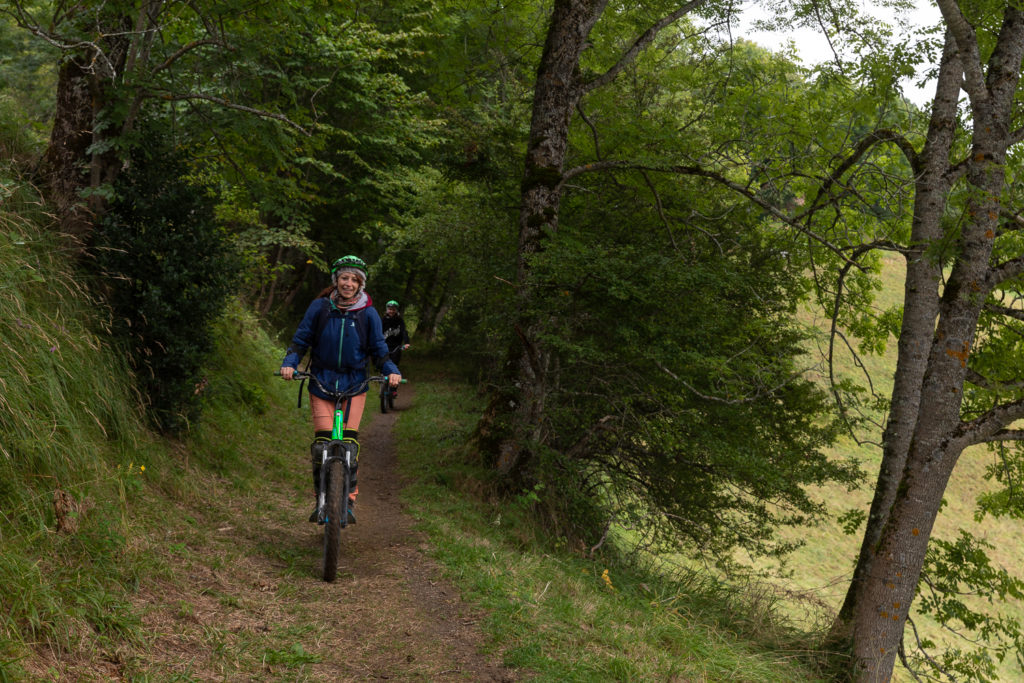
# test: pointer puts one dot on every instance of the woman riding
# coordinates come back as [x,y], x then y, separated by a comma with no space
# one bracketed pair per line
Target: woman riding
[342,330]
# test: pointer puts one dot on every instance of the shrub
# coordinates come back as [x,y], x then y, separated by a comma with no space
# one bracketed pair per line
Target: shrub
[168,269]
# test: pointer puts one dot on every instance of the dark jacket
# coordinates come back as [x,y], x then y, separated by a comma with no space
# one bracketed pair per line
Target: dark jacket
[395,333]
[339,359]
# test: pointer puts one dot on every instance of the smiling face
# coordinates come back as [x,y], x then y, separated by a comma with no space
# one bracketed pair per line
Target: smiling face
[391,311]
[348,285]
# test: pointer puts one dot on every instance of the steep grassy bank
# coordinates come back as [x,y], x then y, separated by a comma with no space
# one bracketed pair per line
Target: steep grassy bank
[86,490]
[71,454]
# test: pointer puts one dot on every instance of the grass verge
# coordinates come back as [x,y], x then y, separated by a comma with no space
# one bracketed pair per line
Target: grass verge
[558,612]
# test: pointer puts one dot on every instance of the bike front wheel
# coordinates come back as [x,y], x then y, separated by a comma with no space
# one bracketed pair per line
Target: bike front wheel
[336,513]
[385,394]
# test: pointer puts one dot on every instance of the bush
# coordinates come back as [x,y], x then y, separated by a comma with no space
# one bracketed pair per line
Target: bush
[168,269]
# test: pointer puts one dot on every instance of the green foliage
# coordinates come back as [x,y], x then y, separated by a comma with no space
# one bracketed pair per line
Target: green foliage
[957,576]
[168,269]
[677,403]
[27,90]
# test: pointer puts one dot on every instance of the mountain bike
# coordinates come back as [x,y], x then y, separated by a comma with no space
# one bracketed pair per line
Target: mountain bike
[339,459]
[388,394]
[387,398]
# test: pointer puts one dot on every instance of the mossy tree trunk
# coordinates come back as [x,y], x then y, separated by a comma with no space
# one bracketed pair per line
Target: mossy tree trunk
[513,423]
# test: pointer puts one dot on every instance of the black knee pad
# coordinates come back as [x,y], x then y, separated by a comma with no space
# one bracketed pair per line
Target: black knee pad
[317,448]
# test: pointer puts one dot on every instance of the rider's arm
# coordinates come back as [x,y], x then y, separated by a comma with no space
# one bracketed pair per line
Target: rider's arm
[301,340]
[377,346]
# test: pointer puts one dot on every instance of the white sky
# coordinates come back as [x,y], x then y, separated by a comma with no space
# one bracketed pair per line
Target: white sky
[814,48]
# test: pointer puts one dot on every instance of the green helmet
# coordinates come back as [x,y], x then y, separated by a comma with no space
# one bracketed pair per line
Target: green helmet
[349,262]
[391,303]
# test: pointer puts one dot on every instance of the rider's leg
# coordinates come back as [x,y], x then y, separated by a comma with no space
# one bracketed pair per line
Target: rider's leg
[321,441]
[354,417]
[323,418]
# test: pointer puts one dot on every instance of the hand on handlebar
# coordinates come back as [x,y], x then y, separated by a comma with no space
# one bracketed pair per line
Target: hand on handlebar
[393,380]
[286,372]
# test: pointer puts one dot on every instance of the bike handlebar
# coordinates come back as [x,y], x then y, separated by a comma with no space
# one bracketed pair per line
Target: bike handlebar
[299,374]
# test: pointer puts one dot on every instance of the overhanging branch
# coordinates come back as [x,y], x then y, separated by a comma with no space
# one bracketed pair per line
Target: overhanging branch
[238,107]
[639,45]
[986,426]
[722,180]
[1006,435]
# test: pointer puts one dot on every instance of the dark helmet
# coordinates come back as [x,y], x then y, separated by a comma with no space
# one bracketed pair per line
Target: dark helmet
[392,304]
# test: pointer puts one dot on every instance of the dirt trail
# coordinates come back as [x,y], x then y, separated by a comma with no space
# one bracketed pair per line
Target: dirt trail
[256,598]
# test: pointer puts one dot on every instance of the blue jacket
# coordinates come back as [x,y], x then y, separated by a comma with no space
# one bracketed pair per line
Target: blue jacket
[339,360]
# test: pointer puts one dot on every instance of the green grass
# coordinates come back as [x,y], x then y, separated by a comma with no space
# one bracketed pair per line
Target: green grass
[555,611]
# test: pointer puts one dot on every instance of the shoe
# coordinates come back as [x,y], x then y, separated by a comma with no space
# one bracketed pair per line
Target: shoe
[312,515]
[351,513]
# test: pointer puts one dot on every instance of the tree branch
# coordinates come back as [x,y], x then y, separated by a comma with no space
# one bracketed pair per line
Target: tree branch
[717,177]
[863,147]
[984,428]
[967,46]
[1004,271]
[661,209]
[639,45]
[1006,435]
[184,49]
[239,107]
[979,380]
[1014,313]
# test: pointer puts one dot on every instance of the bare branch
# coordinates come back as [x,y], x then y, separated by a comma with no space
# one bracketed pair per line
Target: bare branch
[185,49]
[980,380]
[1005,310]
[1004,271]
[1006,435]
[593,129]
[863,147]
[661,209]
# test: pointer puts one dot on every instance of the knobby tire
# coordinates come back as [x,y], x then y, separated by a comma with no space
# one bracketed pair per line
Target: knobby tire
[337,513]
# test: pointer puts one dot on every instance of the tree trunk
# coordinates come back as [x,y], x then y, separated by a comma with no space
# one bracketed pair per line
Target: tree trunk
[513,417]
[410,282]
[920,311]
[84,82]
[66,159]
[434,311]
[427,311]
[887,579]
